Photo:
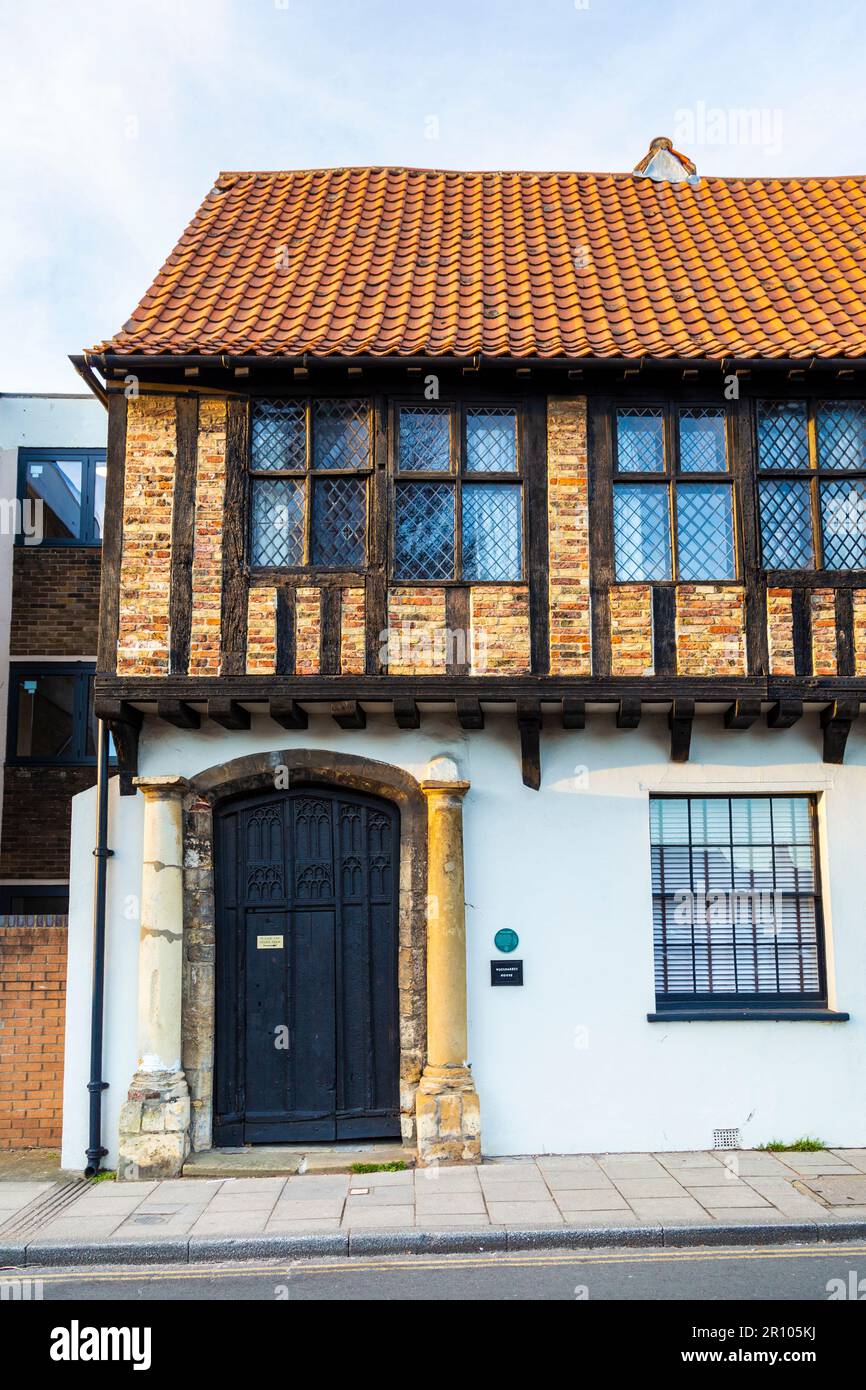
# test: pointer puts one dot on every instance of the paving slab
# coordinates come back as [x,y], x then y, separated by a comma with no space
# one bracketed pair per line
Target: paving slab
[525,1213]
[736,1194]
[590,1199]
[786,1198]
[602,1217]
[577,1179]
[367,1217]
[649,1187]
[664,1209]
[687,1160]
[438,1178]
[461,1201]
[856,1157]
[302,1226]
[320,1208]
[239,1223]
[707,1177]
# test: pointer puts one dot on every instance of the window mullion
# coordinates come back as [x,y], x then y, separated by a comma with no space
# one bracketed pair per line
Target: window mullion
[457,466]
[671,461]
[308,483]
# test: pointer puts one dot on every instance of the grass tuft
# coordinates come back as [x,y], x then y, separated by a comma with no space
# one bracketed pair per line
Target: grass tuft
[398,1166]
[804,1145]
[105,1176]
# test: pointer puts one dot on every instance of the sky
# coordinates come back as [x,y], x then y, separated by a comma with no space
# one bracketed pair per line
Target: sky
[115,119]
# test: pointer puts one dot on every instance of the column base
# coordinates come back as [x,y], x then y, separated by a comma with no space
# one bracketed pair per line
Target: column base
[154,1127]
[448,1117]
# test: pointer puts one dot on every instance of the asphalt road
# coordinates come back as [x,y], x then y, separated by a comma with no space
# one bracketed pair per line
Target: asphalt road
[780,1273]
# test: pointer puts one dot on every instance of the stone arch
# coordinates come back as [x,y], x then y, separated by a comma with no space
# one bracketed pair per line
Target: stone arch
[282,769]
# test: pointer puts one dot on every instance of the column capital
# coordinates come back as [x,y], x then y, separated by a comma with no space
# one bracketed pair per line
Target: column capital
[432,787]
[162,788]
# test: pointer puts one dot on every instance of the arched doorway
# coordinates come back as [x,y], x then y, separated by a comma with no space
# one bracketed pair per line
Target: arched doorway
[307,1039]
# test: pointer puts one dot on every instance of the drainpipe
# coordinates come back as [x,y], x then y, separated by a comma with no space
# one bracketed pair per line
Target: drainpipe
[95,1150]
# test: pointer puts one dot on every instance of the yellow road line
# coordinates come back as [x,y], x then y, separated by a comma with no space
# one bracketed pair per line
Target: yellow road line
[384,1264]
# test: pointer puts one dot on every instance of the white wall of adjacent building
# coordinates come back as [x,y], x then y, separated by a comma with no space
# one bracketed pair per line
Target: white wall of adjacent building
[33,422]
[569,1062]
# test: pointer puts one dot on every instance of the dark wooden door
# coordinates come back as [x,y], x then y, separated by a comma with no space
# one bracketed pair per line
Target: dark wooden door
[307,1041]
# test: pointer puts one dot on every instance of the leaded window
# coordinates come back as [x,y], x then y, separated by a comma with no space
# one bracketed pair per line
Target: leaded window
[812,484]
[673,511]
[458,494]
[736,901]
[310,461]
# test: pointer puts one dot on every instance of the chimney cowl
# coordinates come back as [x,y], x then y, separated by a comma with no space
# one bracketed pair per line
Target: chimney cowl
[665,164]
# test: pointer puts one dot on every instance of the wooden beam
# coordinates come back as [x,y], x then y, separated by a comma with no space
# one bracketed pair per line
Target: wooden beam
[406,713]
[801,623]
[287,712]
[537,542]
[742,714]
[529,726]
[330,626]
[349,714]
[784,713]
[124,724]
[601,551]
[178,713]
[182,533]
[680,719]
[470,713]
[233,631]
[457,630]
[628,714]
[664,631]
[845,659]
[228,713]
[573,712]
[836,721]
[285,656]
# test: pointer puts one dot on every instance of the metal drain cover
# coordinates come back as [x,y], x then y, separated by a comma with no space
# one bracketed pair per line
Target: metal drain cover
[839,1189]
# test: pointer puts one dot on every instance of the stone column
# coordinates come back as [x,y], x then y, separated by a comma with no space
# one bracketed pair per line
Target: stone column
[154,1122]
[449,1123]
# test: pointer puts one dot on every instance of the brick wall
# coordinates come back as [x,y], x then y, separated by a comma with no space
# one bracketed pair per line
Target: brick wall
[860,632]
[207,560]
[499,630]
[711,638]
[37,814]
[55,601]
[416,632]
[262,632]
[780,632]
[568,529]
[145,571]
[824,632]
[353,632]
[631,630]
[32,1013]
[308,631]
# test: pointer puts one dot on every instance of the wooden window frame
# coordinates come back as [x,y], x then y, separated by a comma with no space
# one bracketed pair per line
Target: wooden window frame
[672,477]
[757,1003]
[457,476]
[309,473]
[814,475]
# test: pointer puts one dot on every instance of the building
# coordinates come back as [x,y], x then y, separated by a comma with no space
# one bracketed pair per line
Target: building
[485,568]
[52,478]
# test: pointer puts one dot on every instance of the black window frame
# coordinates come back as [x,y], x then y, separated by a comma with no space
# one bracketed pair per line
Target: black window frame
[90,459]
[83,702]
[457,476]
[308,474]
[672,477]
[8,891]
[755,1004]
[814,475]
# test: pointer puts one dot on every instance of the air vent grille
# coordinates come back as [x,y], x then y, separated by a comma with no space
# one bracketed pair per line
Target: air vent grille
[726,1139]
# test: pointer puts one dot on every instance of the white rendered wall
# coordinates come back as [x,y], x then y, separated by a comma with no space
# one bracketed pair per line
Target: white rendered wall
[568,1063]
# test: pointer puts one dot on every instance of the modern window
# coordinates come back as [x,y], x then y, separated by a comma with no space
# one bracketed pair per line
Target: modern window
[310,461]
[64,490]
[33,899]
[458,512]
[812,484]
[673,507]
[736,902]
[51,718]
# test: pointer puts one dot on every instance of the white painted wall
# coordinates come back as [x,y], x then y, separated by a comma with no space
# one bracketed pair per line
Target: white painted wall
[34,422]
[569,869]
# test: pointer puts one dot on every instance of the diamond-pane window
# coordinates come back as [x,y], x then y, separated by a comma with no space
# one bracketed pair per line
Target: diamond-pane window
[786,525]
[491,441]
[425,439]
[642,531]
[424,531]
[341,434]
[278,521]
[491,532]
[339,522]
[702,440]
[783,434]
[705,532]
[842,435]
[279,435]
[640,440]
[843,517]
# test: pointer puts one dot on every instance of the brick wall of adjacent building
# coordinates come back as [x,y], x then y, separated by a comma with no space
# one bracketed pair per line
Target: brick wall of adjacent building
[568,532]
[55,601]
[37,815]
[32,1011]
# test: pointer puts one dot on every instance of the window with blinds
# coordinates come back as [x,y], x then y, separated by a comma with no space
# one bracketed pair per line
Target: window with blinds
[736,901]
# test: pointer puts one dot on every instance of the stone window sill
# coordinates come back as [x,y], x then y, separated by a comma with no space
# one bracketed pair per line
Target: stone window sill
[736,1015]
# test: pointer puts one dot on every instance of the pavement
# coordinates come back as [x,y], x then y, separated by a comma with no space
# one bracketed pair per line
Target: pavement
[556,1201]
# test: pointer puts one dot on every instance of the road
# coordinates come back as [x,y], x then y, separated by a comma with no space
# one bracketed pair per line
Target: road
[781,1273]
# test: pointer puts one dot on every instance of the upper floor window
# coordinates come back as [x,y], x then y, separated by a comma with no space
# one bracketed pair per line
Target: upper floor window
[812,484]
[673,498]
[736,901]
[51,716]
[64,493]
[459,496]
[310,461]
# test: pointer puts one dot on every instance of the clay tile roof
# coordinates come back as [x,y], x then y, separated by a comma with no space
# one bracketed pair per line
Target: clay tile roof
[425,262]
